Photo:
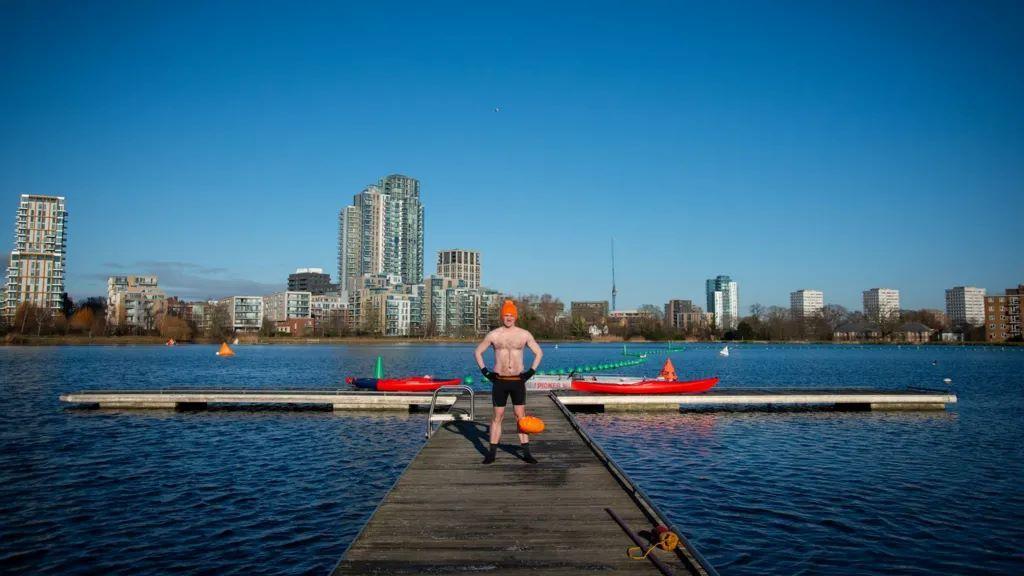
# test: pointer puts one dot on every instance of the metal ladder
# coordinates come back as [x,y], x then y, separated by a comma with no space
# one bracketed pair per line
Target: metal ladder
[451,415]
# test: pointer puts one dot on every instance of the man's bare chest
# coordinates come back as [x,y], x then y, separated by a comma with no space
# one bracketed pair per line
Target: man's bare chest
[510,342]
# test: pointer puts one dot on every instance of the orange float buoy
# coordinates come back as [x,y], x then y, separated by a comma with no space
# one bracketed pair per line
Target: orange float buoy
[668,371]
[225,350]
[531,425]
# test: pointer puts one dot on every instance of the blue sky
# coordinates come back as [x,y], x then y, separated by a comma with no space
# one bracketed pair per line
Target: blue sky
[837,146]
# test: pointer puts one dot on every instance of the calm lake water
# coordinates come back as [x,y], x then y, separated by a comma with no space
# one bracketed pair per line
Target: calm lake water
[284,492]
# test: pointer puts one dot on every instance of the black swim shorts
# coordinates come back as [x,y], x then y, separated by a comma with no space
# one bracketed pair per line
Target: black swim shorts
[504,386]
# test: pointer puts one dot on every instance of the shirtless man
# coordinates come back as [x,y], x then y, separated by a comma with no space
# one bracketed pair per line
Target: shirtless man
[508,378]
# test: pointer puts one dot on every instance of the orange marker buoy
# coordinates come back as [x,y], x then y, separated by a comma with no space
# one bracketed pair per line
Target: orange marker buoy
[668,371]
[531,425]
[225,350]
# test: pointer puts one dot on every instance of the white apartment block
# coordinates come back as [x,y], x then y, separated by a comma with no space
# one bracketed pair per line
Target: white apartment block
[806,303]
[881,304]
[134,301]
[286,305]
[328,305]
[723,302]
[36,268]
[245,313]
[398,314]
[460,265]
[965,305]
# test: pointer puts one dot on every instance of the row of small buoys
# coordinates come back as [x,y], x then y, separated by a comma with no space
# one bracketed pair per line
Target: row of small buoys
[592,367]
[225,350]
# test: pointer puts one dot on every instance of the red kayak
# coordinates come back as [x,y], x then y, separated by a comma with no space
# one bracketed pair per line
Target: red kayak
[409,384]
[624,386]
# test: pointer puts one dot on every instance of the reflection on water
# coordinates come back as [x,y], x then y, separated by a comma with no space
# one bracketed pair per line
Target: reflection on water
[243,491]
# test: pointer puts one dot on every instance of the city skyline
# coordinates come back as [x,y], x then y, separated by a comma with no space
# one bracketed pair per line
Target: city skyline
[836,147]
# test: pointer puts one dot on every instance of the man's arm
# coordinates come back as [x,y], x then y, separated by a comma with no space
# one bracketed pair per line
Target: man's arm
[483,346]
[537,352]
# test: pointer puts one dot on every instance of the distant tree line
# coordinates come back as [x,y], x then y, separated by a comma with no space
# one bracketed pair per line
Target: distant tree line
[88,317]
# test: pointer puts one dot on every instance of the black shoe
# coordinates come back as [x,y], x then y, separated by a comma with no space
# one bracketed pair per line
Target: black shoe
[489,458]
[527,456]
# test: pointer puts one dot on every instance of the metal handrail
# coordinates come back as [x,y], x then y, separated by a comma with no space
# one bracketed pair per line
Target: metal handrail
[459,388]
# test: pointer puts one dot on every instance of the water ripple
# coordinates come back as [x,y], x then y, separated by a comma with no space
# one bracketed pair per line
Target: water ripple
[278,492]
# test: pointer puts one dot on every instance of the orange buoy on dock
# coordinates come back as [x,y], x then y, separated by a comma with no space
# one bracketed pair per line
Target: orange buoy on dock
[668,371]
[225,350]
[531,425]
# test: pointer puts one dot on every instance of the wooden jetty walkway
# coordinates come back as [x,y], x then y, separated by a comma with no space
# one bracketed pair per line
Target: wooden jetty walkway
[853,398]
[451,514]
[201,398]
[848,398]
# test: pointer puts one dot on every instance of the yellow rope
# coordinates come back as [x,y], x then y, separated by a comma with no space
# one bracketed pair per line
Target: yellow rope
[667,541]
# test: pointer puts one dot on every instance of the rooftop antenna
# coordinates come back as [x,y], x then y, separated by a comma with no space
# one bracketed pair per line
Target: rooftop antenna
[615,291]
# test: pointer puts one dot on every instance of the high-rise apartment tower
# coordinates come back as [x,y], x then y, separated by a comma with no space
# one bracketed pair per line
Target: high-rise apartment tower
[804,304]
[36,266]
[723,302]
[881,304]
[965,305]
[382,232]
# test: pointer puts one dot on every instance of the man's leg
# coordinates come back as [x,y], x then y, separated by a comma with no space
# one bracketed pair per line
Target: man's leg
[520,411]
[499,414]
[524,439]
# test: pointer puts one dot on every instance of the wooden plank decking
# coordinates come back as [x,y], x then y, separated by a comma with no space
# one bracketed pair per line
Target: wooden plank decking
[449,513]
[198,398]
[853,398]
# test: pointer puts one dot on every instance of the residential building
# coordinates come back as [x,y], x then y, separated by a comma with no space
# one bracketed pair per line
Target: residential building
[471,311]
[37,264]
[881,304]
[1003,315]
[461,265]
[245,313]
[367,301]
[804,303]
[327,305]
[435,304]
[590,311]
[198,314]
[382,232]
[723,302]
[965,305]
[295,326]
[330,312]
[312,280]
[451,308]
[857,331]
[349,245]
[286,305]
[135,302]
[683,315]
[913,332]
[631,318]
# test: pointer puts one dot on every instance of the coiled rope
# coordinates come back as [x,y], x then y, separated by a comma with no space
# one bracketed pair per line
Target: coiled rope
[667,541]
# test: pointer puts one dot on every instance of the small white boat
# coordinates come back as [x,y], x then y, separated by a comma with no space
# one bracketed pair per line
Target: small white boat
[724,351]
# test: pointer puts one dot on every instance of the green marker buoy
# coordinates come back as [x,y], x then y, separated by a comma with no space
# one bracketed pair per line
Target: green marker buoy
[378,368]
[467,380]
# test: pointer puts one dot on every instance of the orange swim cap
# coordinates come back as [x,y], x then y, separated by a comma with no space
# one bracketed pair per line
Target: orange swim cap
[509,307]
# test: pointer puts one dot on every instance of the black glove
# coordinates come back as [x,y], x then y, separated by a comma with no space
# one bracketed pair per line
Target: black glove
[487,373]
[527,375]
